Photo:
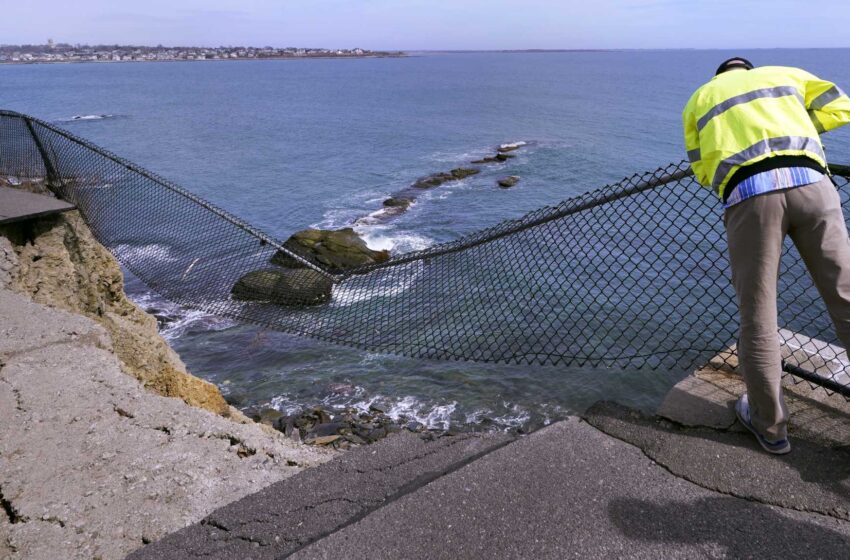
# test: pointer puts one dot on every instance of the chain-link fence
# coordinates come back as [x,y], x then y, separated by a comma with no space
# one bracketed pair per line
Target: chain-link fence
[631,275]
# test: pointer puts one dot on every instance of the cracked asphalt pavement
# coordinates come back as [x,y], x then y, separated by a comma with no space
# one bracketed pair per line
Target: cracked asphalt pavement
[616,484]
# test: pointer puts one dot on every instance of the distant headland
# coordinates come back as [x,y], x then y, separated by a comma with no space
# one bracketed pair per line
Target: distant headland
[63,52]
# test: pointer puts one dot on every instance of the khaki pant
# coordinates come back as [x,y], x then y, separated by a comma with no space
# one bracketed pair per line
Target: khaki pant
[756,228]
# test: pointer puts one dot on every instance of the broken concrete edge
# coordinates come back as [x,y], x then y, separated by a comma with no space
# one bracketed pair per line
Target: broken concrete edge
[706,398]
[291,514]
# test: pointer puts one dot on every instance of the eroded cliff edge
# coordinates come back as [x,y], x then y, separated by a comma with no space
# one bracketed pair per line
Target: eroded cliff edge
[96,457]
[57,262]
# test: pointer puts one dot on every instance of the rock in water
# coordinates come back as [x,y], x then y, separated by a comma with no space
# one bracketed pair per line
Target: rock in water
[398,202]
[293,287]
[434,180]
[464,172]
[504,157]
[334,250]
[508,182]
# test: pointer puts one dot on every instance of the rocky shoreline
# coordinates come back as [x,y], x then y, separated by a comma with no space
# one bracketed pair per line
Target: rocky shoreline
[292,282]
[350,427]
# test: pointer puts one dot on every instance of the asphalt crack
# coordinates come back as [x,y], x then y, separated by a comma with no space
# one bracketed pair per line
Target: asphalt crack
[405,489]
[725,492]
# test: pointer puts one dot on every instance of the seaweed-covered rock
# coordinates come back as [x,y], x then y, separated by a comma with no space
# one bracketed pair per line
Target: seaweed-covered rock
[398,202]
[293,287]
[335,250]
[498,158]
[464,172]
[508,182]
[435,180]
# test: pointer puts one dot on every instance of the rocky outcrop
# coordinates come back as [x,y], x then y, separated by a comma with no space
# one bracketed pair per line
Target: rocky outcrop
[57,262]
[498,158]
[437,179]
[335,250]
[398,202]
[464,172]
[508,182]
[290,287]
[510,147]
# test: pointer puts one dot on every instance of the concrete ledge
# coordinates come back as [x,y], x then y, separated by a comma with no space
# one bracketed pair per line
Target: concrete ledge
[18,205]
[283,517]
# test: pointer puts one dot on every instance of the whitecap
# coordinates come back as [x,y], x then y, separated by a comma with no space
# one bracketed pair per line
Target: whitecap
[83,118]
[518,144]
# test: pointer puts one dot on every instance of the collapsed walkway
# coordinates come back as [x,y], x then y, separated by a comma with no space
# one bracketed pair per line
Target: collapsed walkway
[615,483]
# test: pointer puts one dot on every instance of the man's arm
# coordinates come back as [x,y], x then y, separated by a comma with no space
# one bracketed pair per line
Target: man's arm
[828,106]
[689,124]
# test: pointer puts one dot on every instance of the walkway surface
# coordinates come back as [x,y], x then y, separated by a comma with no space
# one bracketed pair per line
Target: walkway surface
[614,484]
[92,465]
[17,205]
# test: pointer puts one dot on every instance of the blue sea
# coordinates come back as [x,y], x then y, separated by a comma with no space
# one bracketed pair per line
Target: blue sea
[288,144]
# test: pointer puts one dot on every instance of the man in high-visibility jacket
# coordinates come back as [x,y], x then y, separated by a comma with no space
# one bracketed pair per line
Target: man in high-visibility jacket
[752,135]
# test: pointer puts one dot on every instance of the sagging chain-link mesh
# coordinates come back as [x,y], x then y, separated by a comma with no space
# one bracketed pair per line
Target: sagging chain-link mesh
[632,275]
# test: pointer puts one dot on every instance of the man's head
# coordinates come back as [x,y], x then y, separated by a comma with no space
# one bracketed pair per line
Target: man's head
[735,63]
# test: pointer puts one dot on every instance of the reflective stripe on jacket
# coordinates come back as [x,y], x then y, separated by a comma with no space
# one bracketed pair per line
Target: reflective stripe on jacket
[745,116]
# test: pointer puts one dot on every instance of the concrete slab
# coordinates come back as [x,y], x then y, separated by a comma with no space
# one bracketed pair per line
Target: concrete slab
[570,491]
[699,400]
[20,332]
[286,516]
[707,399]
[17,205]
[92,465]
[814,477]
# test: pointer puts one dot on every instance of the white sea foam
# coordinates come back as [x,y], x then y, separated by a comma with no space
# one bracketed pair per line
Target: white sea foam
[175,320]
[77,118]
[433,417]
[390,239]
[194,320]
[139,252]
[515,418]
[518,144]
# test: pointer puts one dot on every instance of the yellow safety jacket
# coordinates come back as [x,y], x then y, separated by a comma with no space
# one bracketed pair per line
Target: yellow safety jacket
[743,117]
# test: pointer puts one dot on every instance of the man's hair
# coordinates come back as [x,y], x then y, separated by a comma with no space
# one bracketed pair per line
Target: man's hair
[732,63]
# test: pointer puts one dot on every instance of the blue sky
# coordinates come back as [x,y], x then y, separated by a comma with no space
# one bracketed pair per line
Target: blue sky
[432,24]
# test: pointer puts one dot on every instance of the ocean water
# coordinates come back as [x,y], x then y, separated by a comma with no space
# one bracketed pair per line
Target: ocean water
[297,143]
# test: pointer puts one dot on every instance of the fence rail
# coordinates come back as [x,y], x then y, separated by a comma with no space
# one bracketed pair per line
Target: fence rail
[632,275]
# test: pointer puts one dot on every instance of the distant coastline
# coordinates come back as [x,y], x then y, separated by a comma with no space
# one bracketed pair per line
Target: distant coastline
[64,53]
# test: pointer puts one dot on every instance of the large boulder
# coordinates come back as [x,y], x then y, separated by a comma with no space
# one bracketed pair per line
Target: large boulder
[403,202]
[291,287]
[334,250]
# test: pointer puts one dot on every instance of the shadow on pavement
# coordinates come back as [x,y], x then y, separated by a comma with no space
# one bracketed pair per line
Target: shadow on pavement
[728,527]
[813,477]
